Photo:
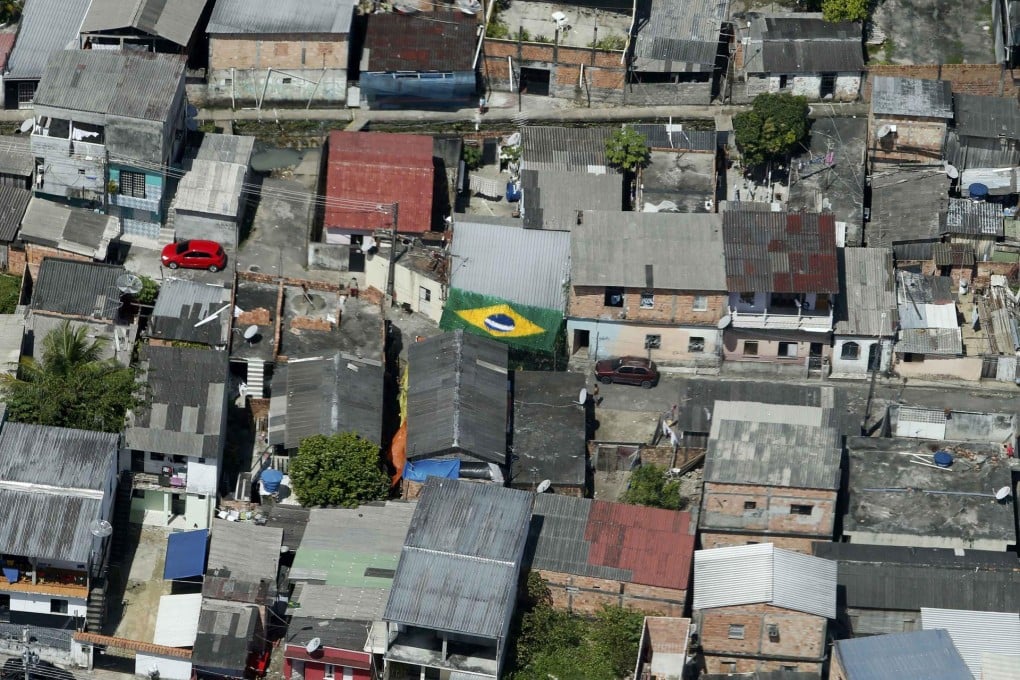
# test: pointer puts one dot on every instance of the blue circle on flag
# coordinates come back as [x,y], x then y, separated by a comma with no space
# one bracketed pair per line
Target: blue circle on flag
[500,323]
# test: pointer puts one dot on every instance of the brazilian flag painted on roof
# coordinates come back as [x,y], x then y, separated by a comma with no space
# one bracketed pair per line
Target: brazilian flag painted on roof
[514,324]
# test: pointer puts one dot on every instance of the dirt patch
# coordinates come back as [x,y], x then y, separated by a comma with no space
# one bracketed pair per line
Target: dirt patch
[143,587]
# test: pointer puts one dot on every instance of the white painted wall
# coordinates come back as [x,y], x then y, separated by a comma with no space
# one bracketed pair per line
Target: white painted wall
[169,668]
[40,604]
[858,366]
[407,285]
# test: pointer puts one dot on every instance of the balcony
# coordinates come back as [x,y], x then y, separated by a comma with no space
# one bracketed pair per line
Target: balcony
[56,582]
[783,319]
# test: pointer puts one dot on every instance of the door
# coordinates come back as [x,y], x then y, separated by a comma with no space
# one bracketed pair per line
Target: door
[137,461]
[828,86]
[356,256]
[815,355]
[424,299]
[874,356]
[582,340]
[625,375]
[177,504]
[196,259]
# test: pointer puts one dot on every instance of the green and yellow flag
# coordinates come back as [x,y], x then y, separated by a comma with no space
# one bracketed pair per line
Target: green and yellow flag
[518,325]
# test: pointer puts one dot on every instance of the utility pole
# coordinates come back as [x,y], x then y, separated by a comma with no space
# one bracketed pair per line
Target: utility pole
[28,656]
[393,255]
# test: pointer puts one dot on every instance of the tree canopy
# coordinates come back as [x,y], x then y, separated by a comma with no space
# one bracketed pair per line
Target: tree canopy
[649,486]
[772,127]
[72,386]
[845,10]
[627,149]
[342,469]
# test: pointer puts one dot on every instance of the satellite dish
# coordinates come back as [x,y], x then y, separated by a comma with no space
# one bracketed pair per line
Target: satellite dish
[951,171]
[250,332]
[129,284]
[1002,494]
[883,131]
[723,322]
[582,397]
[544,486]
[27,125]
[100,528]
[313,645]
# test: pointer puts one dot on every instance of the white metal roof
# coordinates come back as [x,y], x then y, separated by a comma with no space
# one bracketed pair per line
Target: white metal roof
[177,620]
[976,633]
[1000,666]
[748,574]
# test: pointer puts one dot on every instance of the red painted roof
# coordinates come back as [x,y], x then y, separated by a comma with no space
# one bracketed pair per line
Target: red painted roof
[334,655]
[657,546]
[382,168]
[6,45]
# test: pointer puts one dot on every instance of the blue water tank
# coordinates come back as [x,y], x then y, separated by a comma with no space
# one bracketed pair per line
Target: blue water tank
[943,458]
[271,480]
[977,190]
[513,193]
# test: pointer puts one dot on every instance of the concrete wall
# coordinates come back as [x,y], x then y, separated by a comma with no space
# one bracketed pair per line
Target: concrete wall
[139,216]
[735,348]
[916,140]
[959,368]
[193,225]
[982,79]
[605,74]
[331,256]
[847,88]
[621,338]
[697,93]
[801,643]
[154,509]
[586,596]
[751,510]
[859,366]
[170,668]
[40,604]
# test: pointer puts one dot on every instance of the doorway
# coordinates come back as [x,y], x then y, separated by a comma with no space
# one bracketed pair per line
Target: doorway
[137,461]
[356,256]
[177,505]
[874,356]
[828,86]
[582,339]
[815,356]
[535,81]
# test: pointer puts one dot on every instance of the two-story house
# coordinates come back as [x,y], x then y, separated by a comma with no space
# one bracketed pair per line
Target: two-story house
[108,126]
[908,119]
[647,284]
[782,279]
[146,25]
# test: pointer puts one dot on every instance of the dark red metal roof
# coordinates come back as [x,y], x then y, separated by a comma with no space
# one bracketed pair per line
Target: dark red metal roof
[430,41]
[6,45]
[656,545]
[381,168]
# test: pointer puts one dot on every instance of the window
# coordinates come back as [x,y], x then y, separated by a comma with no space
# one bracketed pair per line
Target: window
[647,300]
[773,630]
[695,344]
[782,82]
[58,606]
[328,672]
[614,296]
[138,493]
[180,459]
[303,51]
[747,298]
[653,342]
[228,81]
[700,303]
[731,666]
[288,81]
[750,348]
[156,456]
[791,669]
[26,93]
[801,509]
[851,351]
[201,460]
[132,184]
[425,294]
[788,350]
[750,505]
[736,631]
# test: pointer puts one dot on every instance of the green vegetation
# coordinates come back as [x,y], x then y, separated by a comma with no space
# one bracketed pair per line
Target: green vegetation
[10,291]
[10,10]
[845,10]
[649,486]
[771,128]
[497,30]
[627,149]
[150,289]
[72,386]
[472,155]
[616,43]
[552,643]
[342,469]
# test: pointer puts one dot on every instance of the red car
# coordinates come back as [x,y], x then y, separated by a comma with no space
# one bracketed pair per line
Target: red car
[195,254]
[628,370]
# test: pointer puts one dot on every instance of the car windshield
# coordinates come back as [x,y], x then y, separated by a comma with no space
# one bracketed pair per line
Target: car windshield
[617,363]
[182,247]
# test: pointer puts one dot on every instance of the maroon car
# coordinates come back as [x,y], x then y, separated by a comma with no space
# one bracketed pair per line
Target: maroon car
[628,370]
[195,254]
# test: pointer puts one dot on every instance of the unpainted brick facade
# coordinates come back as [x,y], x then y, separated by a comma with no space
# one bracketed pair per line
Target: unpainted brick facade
[585,595]
[737,639]
[35,254]
[916,139]
[982,79]
[604,70]
[666,306]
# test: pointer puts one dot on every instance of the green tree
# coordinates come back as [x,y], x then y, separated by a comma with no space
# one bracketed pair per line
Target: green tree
[773,125]
[472,155]
[649,486]
[10,10]
[342,469]
[627,149]
[71,386]
[844,10]
[617,632]
[150,290]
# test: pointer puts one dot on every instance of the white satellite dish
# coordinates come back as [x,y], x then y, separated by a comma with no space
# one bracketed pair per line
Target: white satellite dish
[882,131]
[27,125]
[582,397]
[129,284]
[1002,494]
[544,486]
[951,171]
[723,322]
[250,332]
[100,528]
[313,645]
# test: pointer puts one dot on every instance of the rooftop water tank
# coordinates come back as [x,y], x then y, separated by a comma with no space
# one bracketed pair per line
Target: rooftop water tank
[943,459]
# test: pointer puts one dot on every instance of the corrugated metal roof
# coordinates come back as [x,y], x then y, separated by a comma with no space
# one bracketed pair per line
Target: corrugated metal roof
[868,304]
[928,654]
[906,205]
[977,154]
[973,217]
[675,35]
[987,117]
[457,397]
[226,148]
[976,633]
[185,410]
[911,97]
[181,304]
[75,230]
[548,443]
[683,250]
[226,631]
[281,16]
[142,85]
[13,203]
[803,44]
[945,341]
[675,137]
[46,27]
[1000,666]
[339,632]
[383,168]
[16,156]
[526,266]
[421,43]
[177,620]
[629,543]
[697,400]
[243,551]
[212,188]
[779,252]
[78,288]
[174,20]
[460,563]
[554,200]
[48,526]
[56,456]
[548,147]
[953,255]
[772,445]
[748,574]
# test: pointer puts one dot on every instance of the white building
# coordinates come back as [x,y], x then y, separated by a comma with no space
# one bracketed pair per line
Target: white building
[866,317]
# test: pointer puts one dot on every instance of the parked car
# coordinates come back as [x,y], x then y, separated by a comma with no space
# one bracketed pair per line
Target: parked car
[195,254]
[628,370]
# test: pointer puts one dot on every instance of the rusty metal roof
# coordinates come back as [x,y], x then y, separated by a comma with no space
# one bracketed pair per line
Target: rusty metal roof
[405,42]
[779,252]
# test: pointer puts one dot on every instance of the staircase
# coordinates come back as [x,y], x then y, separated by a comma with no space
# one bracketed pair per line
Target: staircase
[167,232]
[256,375]
[121,518]
[95,614]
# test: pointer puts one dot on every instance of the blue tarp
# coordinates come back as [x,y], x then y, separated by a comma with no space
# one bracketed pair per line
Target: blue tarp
[185,554]
[423,469]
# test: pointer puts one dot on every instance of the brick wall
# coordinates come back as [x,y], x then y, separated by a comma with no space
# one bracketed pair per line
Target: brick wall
[801,641]
[916,140]
[605,72]
[726,507]
[711,539]
[585,595]
[34,255]
[284,51]
[668,306]
[983,79]
[15,262]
